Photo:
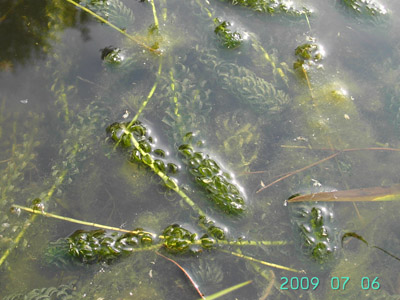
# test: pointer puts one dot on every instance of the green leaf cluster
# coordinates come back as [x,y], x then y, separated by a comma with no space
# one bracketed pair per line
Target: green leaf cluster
[369,8]
[214,180]
[118,135]
[313,224]
[308,55]
[272,7]
[227,38]
[104,246]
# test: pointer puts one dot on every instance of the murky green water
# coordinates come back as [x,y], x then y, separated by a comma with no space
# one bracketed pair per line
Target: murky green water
[303,84]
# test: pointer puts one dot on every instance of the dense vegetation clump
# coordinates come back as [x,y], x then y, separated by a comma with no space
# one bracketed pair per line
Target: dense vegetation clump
[313,224]
[100,245]
[118,133]
[308,55]
[243,84]
[228,39]
[365,7]
[214,180]
[369,11]
[272,7]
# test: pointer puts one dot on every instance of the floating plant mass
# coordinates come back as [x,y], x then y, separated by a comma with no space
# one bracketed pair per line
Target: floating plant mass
[314,226]
[214,180]
[228,39]
[272,7]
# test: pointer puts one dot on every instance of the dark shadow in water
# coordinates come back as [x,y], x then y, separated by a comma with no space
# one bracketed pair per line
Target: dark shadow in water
[27,28]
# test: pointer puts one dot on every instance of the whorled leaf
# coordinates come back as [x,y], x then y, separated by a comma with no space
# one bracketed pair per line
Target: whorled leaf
[244,84]
[218,184]
[313,224]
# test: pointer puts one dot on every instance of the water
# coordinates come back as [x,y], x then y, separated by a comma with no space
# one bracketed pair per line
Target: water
[59,96]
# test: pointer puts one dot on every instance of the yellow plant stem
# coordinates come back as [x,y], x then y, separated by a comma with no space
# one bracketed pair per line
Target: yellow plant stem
[262,262]
[37,212]
[252,243]
[115,27]
[153,89]
[167,180]
[54,216]
[27,223]
[154,13]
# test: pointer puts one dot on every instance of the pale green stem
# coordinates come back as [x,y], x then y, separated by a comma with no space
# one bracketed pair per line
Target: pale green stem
[114,27]
[167,180]
[54,216]
[262,262]
[154,13]
[153,89]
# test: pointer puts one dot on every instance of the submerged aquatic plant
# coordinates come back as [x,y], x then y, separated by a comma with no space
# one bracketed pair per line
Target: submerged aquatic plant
[228,39]
[218,183]
[184,93]
[314,225]
[272,7]
[146,145]
[62,292]
[367,8]
[308,55]
[243,84]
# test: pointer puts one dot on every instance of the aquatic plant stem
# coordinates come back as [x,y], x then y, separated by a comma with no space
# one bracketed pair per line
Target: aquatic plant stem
[115,27]
[149,95]
[167,180]
[228,290]
[186,273]
[154,13]
[54,216]
[197,242]
[262,262]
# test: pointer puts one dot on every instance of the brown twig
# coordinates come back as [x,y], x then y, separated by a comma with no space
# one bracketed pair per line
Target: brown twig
[299,170]
[186,273]
[325,159]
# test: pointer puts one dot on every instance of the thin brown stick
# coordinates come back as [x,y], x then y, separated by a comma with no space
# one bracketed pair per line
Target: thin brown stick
[325,159]
[186,273]
[6,160]
[299,170]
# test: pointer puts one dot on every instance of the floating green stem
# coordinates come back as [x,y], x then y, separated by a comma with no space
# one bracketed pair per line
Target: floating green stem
[261,261]
[153,89]
[72,220]
[154,14]
[147,159]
